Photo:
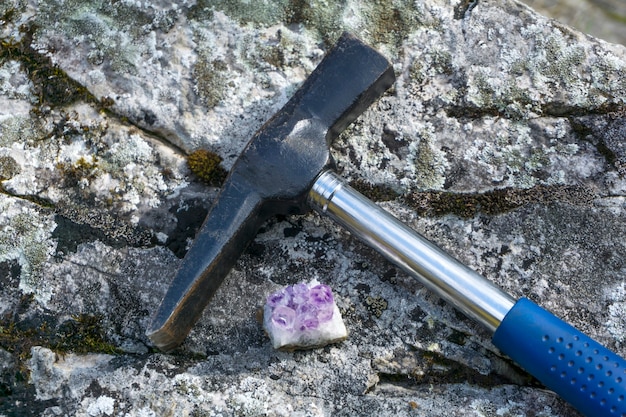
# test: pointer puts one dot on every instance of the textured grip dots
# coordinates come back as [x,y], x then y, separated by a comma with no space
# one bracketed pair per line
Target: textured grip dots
[587,370]
[579,369]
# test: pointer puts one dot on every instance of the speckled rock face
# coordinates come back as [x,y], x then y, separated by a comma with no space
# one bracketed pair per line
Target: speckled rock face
[502,141]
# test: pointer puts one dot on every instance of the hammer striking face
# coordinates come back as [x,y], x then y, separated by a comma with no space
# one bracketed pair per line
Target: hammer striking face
[272,176]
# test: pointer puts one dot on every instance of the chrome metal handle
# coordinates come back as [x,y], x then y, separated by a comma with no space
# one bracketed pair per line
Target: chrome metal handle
[468,291]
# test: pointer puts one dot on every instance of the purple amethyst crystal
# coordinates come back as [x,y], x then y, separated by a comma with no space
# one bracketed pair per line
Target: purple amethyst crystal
[300,307]
[284,317]
[321,295]
[303,315]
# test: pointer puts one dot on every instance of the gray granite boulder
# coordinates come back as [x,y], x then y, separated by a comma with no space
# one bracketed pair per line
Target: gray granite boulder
[502,141]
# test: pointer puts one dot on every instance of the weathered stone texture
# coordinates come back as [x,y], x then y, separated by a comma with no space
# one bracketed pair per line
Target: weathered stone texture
[504,130]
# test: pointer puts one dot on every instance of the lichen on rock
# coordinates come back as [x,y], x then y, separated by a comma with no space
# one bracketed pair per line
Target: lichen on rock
[25,239]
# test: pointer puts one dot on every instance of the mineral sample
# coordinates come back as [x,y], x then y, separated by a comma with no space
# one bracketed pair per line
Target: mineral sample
[303,316]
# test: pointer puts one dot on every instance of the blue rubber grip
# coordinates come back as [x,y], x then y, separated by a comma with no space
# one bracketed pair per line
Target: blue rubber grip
[579,369]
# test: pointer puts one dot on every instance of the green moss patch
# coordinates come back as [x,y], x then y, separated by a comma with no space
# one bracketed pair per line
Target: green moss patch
[375,192]
[467,205]
[74,173]
[206,166]
[52,85]
[83,333]
[20,331]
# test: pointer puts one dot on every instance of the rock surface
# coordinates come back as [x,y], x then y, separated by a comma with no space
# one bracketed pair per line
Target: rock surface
[601,18]
[502,141]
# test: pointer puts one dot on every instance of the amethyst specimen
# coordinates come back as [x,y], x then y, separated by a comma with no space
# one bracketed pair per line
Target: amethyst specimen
[303,316]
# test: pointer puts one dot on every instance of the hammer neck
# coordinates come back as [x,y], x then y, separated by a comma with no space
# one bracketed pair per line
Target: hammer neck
[468,291]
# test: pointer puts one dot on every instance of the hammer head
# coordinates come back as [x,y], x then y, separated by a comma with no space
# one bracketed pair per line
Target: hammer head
[272,176]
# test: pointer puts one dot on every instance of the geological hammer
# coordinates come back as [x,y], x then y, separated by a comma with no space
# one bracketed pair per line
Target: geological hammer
[286,168]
